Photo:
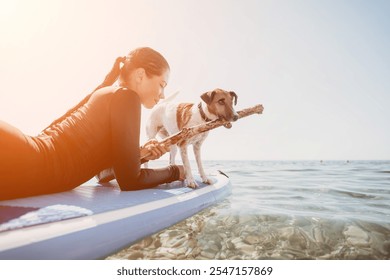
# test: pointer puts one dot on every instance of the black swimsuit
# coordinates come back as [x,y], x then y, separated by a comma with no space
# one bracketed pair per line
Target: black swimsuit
[102,133]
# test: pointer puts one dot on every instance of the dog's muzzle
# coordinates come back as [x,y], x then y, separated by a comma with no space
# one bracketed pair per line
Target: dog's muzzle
[229,125]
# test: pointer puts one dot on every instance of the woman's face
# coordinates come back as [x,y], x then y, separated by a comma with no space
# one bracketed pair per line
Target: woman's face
[151,90]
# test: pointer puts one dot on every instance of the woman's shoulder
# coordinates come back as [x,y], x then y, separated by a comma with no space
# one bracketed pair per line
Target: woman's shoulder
[115,90]
[109,93]
[108,90]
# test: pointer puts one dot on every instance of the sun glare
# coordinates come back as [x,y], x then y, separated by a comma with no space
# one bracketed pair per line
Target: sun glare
[22,19]
[9,12]
[7,7]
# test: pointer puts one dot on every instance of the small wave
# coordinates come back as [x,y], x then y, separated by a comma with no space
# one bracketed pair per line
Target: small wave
[300,170]
[357,195]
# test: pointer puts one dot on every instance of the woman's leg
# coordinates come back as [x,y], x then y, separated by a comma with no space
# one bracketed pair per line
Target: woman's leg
[19,163]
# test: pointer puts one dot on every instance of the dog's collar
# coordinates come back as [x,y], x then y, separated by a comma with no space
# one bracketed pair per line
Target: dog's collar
[202,114]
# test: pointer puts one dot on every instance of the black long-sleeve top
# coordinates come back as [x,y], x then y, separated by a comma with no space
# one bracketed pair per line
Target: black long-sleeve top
[102,133]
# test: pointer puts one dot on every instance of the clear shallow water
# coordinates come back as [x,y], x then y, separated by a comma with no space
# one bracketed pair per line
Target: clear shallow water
[285,210]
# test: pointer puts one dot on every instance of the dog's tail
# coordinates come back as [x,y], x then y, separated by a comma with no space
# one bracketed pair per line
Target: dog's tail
[170,97]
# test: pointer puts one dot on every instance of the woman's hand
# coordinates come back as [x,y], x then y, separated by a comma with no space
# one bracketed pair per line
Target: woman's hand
[153,150]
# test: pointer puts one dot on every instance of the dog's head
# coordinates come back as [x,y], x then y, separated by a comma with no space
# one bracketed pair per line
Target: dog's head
[221,103]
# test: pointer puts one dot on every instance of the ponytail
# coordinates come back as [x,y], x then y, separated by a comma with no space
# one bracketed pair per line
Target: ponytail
[113,75]
[110,79]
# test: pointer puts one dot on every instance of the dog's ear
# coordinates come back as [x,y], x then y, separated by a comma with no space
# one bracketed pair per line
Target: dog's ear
[208,97]
[234,96]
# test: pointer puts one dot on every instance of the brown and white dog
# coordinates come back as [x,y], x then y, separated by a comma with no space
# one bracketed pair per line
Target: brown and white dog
[168,118]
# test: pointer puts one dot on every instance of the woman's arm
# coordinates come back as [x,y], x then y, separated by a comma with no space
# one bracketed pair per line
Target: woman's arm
[125,133]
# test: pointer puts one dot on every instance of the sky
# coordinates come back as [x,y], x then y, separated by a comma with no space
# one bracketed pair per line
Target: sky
[320,68]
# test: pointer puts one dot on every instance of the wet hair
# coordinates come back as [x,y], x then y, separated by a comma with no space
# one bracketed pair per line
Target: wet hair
[147,58]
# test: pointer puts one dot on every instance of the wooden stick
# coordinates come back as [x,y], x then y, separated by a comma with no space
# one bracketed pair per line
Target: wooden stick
[189,132]
[185,133]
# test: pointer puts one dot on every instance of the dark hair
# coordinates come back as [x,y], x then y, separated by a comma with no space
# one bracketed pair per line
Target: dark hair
[147,58]
[150,60]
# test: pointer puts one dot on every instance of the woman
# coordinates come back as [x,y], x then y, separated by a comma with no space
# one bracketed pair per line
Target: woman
[101,132]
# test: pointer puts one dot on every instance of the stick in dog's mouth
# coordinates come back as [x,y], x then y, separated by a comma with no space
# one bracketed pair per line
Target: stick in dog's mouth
[228,125]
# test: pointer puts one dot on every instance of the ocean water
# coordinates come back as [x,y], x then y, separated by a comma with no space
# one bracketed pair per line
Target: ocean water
[285,210]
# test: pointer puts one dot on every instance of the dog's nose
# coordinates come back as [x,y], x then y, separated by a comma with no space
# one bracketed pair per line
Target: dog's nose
[235,117]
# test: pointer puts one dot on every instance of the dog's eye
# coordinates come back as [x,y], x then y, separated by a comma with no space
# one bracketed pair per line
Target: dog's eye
[221,102]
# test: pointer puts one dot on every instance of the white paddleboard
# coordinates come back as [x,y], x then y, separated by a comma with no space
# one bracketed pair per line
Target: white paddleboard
[96,220]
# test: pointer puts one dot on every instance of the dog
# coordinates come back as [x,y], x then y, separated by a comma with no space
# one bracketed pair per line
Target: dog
[168,118]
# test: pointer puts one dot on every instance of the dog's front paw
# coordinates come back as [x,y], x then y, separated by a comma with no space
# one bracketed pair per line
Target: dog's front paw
[207,181]
[192,184]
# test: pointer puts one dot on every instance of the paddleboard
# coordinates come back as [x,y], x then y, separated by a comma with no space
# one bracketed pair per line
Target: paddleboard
[96,220]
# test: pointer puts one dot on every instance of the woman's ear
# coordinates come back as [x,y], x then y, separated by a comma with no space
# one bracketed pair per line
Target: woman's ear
[140,74]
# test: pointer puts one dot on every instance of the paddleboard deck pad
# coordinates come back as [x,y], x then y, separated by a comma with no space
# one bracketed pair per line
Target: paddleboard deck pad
[96,220]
